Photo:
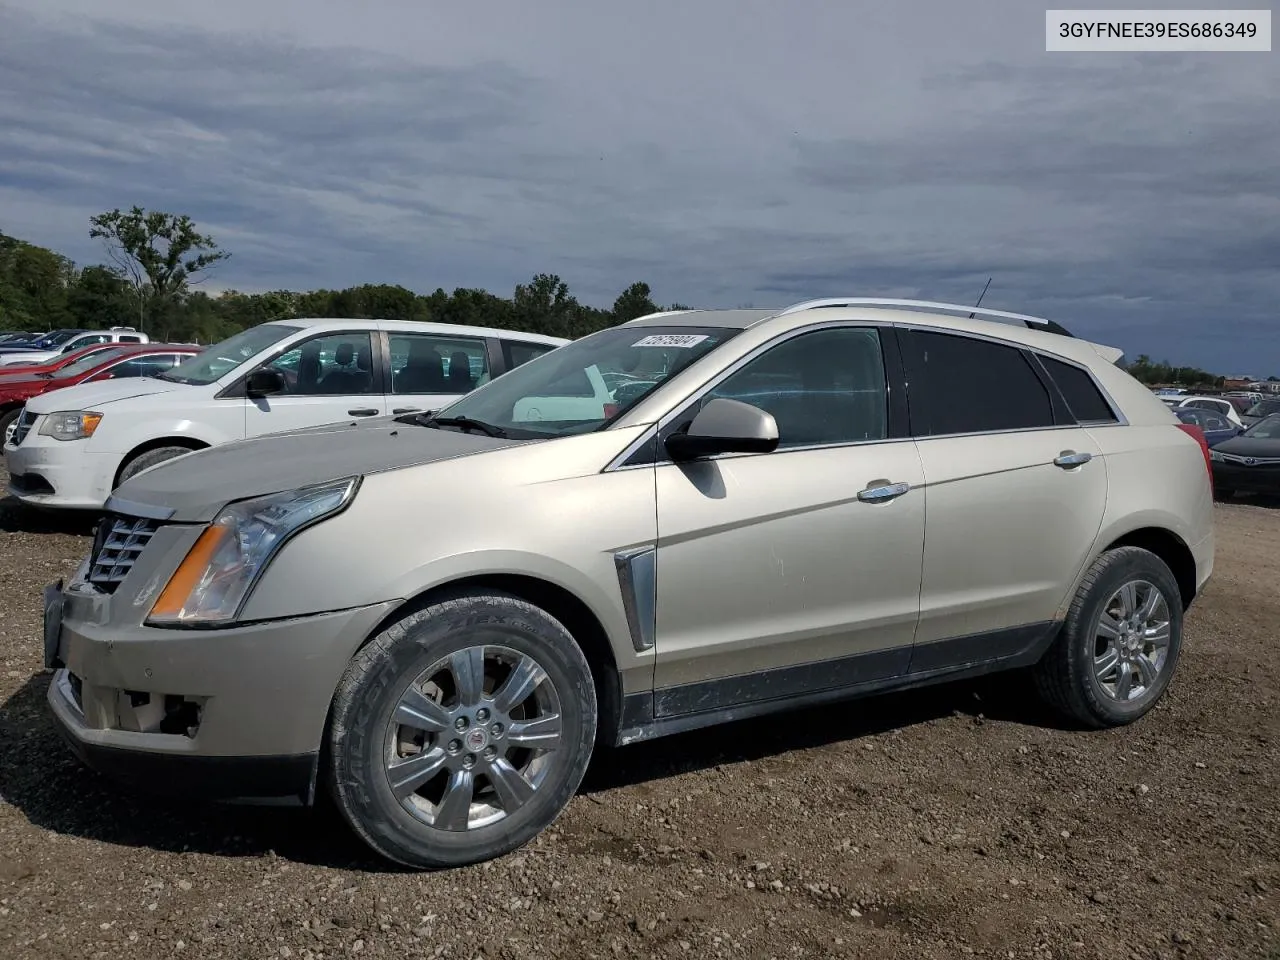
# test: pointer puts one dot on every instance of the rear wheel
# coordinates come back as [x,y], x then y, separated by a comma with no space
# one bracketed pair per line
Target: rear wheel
[1118,648]
[461,732]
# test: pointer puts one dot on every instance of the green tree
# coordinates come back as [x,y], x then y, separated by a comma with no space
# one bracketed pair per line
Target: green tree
[161,255]
[633,302]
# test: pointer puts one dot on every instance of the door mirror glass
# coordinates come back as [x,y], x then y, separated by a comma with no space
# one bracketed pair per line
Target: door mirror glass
[265,383]
[725,426]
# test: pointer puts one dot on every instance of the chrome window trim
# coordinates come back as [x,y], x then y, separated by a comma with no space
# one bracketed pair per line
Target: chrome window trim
[617,463]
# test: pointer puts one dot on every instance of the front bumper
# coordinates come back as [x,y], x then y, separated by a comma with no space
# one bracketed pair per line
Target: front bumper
[55,473]
[236,712]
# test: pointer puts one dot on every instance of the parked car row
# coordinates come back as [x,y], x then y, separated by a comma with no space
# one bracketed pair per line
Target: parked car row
[689,518]
[59,342]
[69,448]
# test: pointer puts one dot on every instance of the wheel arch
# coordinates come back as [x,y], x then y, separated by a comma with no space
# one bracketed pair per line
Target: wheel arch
[191,443]
[578,618]
[1170,548]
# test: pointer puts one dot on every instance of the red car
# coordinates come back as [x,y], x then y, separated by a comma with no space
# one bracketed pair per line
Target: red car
[88,365]
[51,366]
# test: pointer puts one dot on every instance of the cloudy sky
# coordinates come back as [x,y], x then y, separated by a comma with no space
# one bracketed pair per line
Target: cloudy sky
[727,152]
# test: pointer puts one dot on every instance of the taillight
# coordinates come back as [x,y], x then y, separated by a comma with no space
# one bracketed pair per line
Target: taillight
[610,411]
[1195,431]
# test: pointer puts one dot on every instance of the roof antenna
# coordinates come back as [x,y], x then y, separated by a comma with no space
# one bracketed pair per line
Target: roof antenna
[980,296]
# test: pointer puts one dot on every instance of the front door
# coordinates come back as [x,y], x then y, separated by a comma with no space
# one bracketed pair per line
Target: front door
[774,579]
[331,378]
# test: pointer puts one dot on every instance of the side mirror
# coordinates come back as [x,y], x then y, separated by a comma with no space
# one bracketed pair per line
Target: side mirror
[265,383]
[725,426]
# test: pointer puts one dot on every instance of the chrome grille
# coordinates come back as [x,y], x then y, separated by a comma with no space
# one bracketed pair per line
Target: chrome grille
[24,425]
[116,547]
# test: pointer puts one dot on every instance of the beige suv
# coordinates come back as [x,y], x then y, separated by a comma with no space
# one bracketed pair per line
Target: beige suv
[435,618]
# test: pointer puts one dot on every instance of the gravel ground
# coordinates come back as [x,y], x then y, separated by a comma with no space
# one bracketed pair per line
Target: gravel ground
[953,822]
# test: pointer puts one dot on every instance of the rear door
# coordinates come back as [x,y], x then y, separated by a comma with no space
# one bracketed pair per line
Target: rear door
[1015,490]
[429,371]
[332,377]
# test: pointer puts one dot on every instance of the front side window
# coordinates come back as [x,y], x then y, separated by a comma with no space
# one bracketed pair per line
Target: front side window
[333,365]
[823,387]
[428,363]
[958,384]
[224,357]
[581,386]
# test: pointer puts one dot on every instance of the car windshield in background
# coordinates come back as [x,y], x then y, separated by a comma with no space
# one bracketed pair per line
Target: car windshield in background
[221,358]
[1264,409]
[1268,429]
[55,339]
[583,385]
[88,362]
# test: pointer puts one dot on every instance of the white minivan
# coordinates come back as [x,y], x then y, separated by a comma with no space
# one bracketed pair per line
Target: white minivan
[70,448]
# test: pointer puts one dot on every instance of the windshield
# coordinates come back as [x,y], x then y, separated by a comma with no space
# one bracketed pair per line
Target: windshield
[1263,409]
[89,361]
[221,358]
[1268,429]
[583,385]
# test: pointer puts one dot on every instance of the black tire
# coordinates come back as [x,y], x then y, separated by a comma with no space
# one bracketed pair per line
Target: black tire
[7,418]
[359,741]
[149,459]
[1065,677]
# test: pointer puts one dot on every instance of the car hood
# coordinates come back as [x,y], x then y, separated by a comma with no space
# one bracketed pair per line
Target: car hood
[1249,447]
[22,383]
[92,396]
[195,487]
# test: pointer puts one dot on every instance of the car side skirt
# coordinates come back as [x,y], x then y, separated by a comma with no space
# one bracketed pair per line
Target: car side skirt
[659,713]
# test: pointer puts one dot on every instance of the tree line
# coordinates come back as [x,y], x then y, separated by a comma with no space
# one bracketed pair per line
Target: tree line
[1147,371]
[157,260]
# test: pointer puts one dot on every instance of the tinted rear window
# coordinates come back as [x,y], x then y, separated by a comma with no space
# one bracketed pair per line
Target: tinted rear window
[964,385]
[1084,399]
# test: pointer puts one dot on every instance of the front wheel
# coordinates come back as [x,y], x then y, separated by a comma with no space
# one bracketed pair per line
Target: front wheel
[462,731]
[149,459]
[1119,645]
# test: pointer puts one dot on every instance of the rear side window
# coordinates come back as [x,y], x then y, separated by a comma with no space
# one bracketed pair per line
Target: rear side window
[964,385]
[1084,399]
[517,352]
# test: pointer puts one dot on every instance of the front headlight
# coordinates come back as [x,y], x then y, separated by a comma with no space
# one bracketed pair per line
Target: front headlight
[213,581]
[71,424]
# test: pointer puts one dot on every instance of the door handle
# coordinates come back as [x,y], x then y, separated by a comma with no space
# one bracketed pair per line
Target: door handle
[1069,458]
[406,409]
[363,412]
[882,491]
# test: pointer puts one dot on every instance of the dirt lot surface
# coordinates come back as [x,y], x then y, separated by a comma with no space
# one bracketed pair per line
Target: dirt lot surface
[947,823]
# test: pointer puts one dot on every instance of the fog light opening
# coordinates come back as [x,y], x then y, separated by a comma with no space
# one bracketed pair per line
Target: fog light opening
[181,716]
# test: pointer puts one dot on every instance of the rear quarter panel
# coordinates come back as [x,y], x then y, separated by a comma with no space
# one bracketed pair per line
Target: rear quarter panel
[1156,472]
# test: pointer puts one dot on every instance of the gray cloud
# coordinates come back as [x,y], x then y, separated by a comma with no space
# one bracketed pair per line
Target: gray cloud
[727,153]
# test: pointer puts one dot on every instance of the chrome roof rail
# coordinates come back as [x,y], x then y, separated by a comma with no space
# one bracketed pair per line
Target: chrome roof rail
[1035,323]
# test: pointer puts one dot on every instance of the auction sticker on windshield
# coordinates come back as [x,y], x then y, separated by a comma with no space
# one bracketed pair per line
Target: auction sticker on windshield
[671,340]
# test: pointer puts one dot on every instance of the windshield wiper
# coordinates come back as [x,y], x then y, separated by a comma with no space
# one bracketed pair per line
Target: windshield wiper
[463,423]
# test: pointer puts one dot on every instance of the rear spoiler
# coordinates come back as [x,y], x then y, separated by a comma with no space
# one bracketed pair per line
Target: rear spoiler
[1109,354]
